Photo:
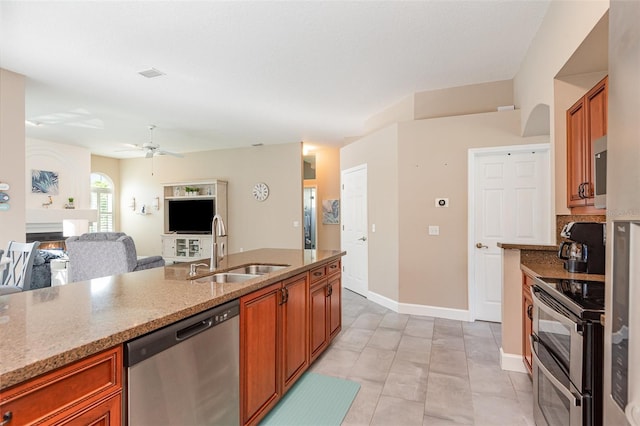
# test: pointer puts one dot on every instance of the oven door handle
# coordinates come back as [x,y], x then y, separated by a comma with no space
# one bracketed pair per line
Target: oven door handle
[555,382]
[563,319]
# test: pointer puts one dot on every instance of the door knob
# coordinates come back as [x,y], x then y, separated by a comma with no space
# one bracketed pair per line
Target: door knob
[362,239]
[480,245]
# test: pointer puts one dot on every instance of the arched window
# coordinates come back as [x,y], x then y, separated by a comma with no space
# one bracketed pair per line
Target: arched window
[102,199]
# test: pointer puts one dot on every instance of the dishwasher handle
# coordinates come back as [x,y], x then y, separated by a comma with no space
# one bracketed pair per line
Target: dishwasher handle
[144,347]
[193,329]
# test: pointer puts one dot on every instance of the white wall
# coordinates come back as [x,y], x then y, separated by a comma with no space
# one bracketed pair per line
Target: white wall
[73,165]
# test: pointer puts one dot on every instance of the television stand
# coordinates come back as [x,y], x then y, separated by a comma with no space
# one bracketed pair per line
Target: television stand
[186,247]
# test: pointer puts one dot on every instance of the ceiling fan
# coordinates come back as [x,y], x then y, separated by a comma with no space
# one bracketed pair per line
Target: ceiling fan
[151,149]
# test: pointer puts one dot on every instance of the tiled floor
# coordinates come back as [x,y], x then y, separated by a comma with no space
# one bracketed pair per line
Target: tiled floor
[424,371]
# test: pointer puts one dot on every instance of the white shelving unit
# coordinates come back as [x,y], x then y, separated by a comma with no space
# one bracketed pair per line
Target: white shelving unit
[190,247]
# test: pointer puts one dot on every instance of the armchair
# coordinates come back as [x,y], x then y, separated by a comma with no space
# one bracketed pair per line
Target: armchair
[100,254]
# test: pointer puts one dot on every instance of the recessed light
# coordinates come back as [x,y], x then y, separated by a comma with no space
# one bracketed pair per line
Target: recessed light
[257,144]
[32,123]
[151,73]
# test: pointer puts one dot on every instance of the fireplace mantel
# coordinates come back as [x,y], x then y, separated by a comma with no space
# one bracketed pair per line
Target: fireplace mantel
[50,220]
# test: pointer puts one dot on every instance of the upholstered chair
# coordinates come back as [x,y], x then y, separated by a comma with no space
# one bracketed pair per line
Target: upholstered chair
[100,254]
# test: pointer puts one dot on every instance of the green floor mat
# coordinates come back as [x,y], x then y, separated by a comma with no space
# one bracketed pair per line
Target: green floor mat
[315,400]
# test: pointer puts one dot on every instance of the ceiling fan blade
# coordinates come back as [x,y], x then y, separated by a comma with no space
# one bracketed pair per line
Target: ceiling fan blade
[174,154]
[131,146]
[149,154]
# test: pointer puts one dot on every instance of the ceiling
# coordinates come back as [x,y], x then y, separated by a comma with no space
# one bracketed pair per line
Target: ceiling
[240,73]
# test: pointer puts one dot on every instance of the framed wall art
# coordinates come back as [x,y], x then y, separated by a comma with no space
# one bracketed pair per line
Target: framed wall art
[44,182]
[330,212]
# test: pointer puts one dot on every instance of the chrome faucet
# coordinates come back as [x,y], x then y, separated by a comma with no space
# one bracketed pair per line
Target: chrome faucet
[217,230]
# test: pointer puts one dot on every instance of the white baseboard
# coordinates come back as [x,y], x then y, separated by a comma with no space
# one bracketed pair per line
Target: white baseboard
[512,362]
[423,310]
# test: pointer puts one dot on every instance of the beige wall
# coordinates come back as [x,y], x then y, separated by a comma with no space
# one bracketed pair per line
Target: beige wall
[512,310]
[433,162]
[12,156]
[463,100]
[379,151]
[565,26]
[111,168]
[251,224]
[327,182]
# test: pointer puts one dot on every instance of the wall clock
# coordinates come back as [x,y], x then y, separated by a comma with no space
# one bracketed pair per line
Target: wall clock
[260,191]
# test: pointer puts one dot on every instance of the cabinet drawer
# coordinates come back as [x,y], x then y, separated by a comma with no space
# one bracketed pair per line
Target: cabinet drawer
[317,273]
[62,392]
[333,267]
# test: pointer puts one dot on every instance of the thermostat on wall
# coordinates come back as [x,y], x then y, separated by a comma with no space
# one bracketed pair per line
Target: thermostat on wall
[442,202]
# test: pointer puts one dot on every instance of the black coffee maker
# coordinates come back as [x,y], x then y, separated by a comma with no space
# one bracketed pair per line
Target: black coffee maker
[585,252]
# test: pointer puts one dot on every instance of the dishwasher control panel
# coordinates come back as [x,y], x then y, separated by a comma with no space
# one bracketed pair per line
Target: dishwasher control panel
[153,343]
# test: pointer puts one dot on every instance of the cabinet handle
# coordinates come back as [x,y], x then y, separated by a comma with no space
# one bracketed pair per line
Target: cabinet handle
[282,300]
[317,273]
[581,190]
[6,418]
[286,295]
[530,312]
[585,190]
[329,290]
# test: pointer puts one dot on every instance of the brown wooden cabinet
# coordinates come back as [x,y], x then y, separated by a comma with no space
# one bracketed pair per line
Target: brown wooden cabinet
[527,321]
[85,392]
[325,306]
[273,344]
[586,122]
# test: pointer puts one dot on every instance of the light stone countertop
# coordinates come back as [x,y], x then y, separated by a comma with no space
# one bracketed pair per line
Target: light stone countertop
[44,329]
[557,271]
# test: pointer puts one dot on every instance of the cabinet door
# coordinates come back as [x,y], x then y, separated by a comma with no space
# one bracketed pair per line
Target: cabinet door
[295,350]
[576,172]
[334,291]
[168,247]
[527,321]
[318,318]
[259,352]
[105,413]
[596,127]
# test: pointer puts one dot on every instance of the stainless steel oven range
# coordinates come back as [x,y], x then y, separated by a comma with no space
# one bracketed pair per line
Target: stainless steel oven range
[567,346]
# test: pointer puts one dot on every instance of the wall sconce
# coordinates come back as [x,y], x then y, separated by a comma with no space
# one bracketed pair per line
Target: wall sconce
[156,203]
[132,203]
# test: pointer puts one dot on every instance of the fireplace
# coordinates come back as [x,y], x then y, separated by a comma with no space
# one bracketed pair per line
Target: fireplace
[48,240]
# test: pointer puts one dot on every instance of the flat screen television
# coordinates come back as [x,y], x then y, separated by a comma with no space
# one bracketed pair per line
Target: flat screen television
[191,216]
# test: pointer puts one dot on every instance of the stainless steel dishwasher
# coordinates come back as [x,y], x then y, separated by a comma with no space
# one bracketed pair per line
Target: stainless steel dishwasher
[186,374]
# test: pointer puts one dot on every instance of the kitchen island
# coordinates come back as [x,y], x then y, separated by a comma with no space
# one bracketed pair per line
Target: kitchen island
[43,330]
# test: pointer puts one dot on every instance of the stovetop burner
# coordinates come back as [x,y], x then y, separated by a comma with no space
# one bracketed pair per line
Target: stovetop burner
[588,296]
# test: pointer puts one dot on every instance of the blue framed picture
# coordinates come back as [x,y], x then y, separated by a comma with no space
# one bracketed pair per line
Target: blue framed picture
[44,182]
[331,212]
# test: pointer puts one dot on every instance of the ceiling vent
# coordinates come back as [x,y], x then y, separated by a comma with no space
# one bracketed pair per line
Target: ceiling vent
[151,73]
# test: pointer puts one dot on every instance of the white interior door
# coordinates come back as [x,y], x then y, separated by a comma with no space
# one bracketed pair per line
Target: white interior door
[511,203]
[354,236]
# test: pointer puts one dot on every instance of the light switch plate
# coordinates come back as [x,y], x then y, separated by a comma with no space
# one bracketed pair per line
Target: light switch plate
[434,230]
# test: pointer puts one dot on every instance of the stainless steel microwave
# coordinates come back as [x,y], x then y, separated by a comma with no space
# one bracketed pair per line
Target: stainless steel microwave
[600,172]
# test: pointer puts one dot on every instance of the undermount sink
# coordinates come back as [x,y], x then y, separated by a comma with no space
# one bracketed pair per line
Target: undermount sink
[257,269]
[226,277]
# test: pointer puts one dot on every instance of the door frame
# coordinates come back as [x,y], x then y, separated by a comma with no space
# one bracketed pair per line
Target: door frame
[471,221]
